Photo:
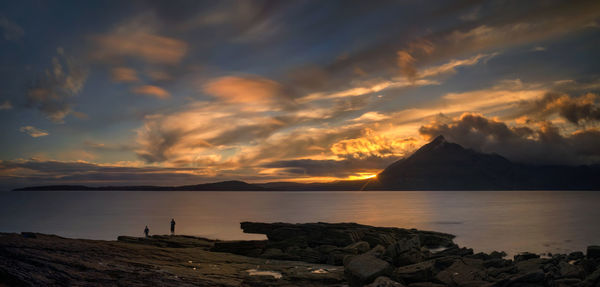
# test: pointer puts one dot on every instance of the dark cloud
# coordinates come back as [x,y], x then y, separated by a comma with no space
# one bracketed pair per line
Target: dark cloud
[332,168]
[10,30]
[577,110]
[541,145]
[51,93]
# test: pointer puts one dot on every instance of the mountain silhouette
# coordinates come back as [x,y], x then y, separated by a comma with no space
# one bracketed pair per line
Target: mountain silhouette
[442,165]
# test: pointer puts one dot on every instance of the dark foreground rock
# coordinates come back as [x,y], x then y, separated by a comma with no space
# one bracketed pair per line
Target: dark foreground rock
[292,255]
[46,260]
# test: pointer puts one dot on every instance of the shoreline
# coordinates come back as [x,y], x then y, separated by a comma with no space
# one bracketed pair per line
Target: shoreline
[311,254]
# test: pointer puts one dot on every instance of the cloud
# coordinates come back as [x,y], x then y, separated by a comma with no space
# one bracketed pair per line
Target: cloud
[371,144]
[345,168]
[541,144]
[124,74]
[10,30]
[577,110]
[33,131]
[137,38]
[150,90]
[6,105]
[250,91]
[371,116]
[51,93]
[148,47]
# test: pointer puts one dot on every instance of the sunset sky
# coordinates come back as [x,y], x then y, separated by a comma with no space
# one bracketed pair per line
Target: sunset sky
[170,92]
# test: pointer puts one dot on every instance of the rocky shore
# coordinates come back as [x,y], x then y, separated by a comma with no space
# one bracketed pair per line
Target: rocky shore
[311,254]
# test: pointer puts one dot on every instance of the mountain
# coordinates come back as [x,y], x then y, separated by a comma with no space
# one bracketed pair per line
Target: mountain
[438,165]
[442,165]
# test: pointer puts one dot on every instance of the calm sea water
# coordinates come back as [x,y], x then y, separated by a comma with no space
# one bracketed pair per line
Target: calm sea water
[513,221]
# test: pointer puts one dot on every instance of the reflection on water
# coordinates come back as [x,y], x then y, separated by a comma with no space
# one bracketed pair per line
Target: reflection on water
[512,221]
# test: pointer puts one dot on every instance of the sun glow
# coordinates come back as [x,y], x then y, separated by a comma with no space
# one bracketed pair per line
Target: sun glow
[362,175]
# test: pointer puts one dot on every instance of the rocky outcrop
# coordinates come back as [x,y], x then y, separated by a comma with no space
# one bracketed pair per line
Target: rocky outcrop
[292,255]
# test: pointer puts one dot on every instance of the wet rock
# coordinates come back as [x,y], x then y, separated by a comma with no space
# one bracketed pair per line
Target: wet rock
[525,256]
[383,281]
[420,272]
[363,269]
[593,252]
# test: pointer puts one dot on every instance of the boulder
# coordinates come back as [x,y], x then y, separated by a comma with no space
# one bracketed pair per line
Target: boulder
[525,256]
[383,281]
[462,272]
[575,255]
[567,270]
[405,251]
[535,278]
[593,252]
[420,272]
[363,269]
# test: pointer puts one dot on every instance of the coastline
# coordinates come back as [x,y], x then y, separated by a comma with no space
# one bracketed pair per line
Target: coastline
[314,254]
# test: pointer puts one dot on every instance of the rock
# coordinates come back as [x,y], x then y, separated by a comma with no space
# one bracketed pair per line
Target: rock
[575,255]
[28,235]
[363,269]
[496,262]
[426,284]
[567,270]
[567,282]
[536,277]
[405,251]
[383,281]
[496,254]
[525,256]
[420,272]
[462,272]
[248,248]
[592,280]
[530,265]
[358,247]
[593,252]
[173,241]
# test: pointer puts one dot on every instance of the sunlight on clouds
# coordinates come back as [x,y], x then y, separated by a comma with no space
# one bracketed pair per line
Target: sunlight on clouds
[33,131]
[150,90]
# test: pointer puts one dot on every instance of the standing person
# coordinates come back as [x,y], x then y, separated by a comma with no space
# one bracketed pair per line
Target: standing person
[146,230]
[172,226]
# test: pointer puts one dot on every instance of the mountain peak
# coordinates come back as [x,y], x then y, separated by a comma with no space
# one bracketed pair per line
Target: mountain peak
[438,140]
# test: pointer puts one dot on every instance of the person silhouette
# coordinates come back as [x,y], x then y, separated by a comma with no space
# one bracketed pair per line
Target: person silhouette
[146,231]
[172,226]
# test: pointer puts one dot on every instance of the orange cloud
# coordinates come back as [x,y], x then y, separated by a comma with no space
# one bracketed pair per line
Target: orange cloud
[152,91]
[249,90]
[152,48]
[124,74]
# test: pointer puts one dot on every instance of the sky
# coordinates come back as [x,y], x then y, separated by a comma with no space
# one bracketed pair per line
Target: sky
[187,92]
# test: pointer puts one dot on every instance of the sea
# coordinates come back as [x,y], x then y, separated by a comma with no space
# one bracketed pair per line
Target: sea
[510,221]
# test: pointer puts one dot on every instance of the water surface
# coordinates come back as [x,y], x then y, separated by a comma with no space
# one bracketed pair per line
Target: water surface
[513,221]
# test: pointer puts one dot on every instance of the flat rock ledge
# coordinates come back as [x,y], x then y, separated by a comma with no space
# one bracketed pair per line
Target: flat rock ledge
[310,254]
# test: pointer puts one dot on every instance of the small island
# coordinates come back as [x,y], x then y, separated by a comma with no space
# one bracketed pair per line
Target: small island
[310,254]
